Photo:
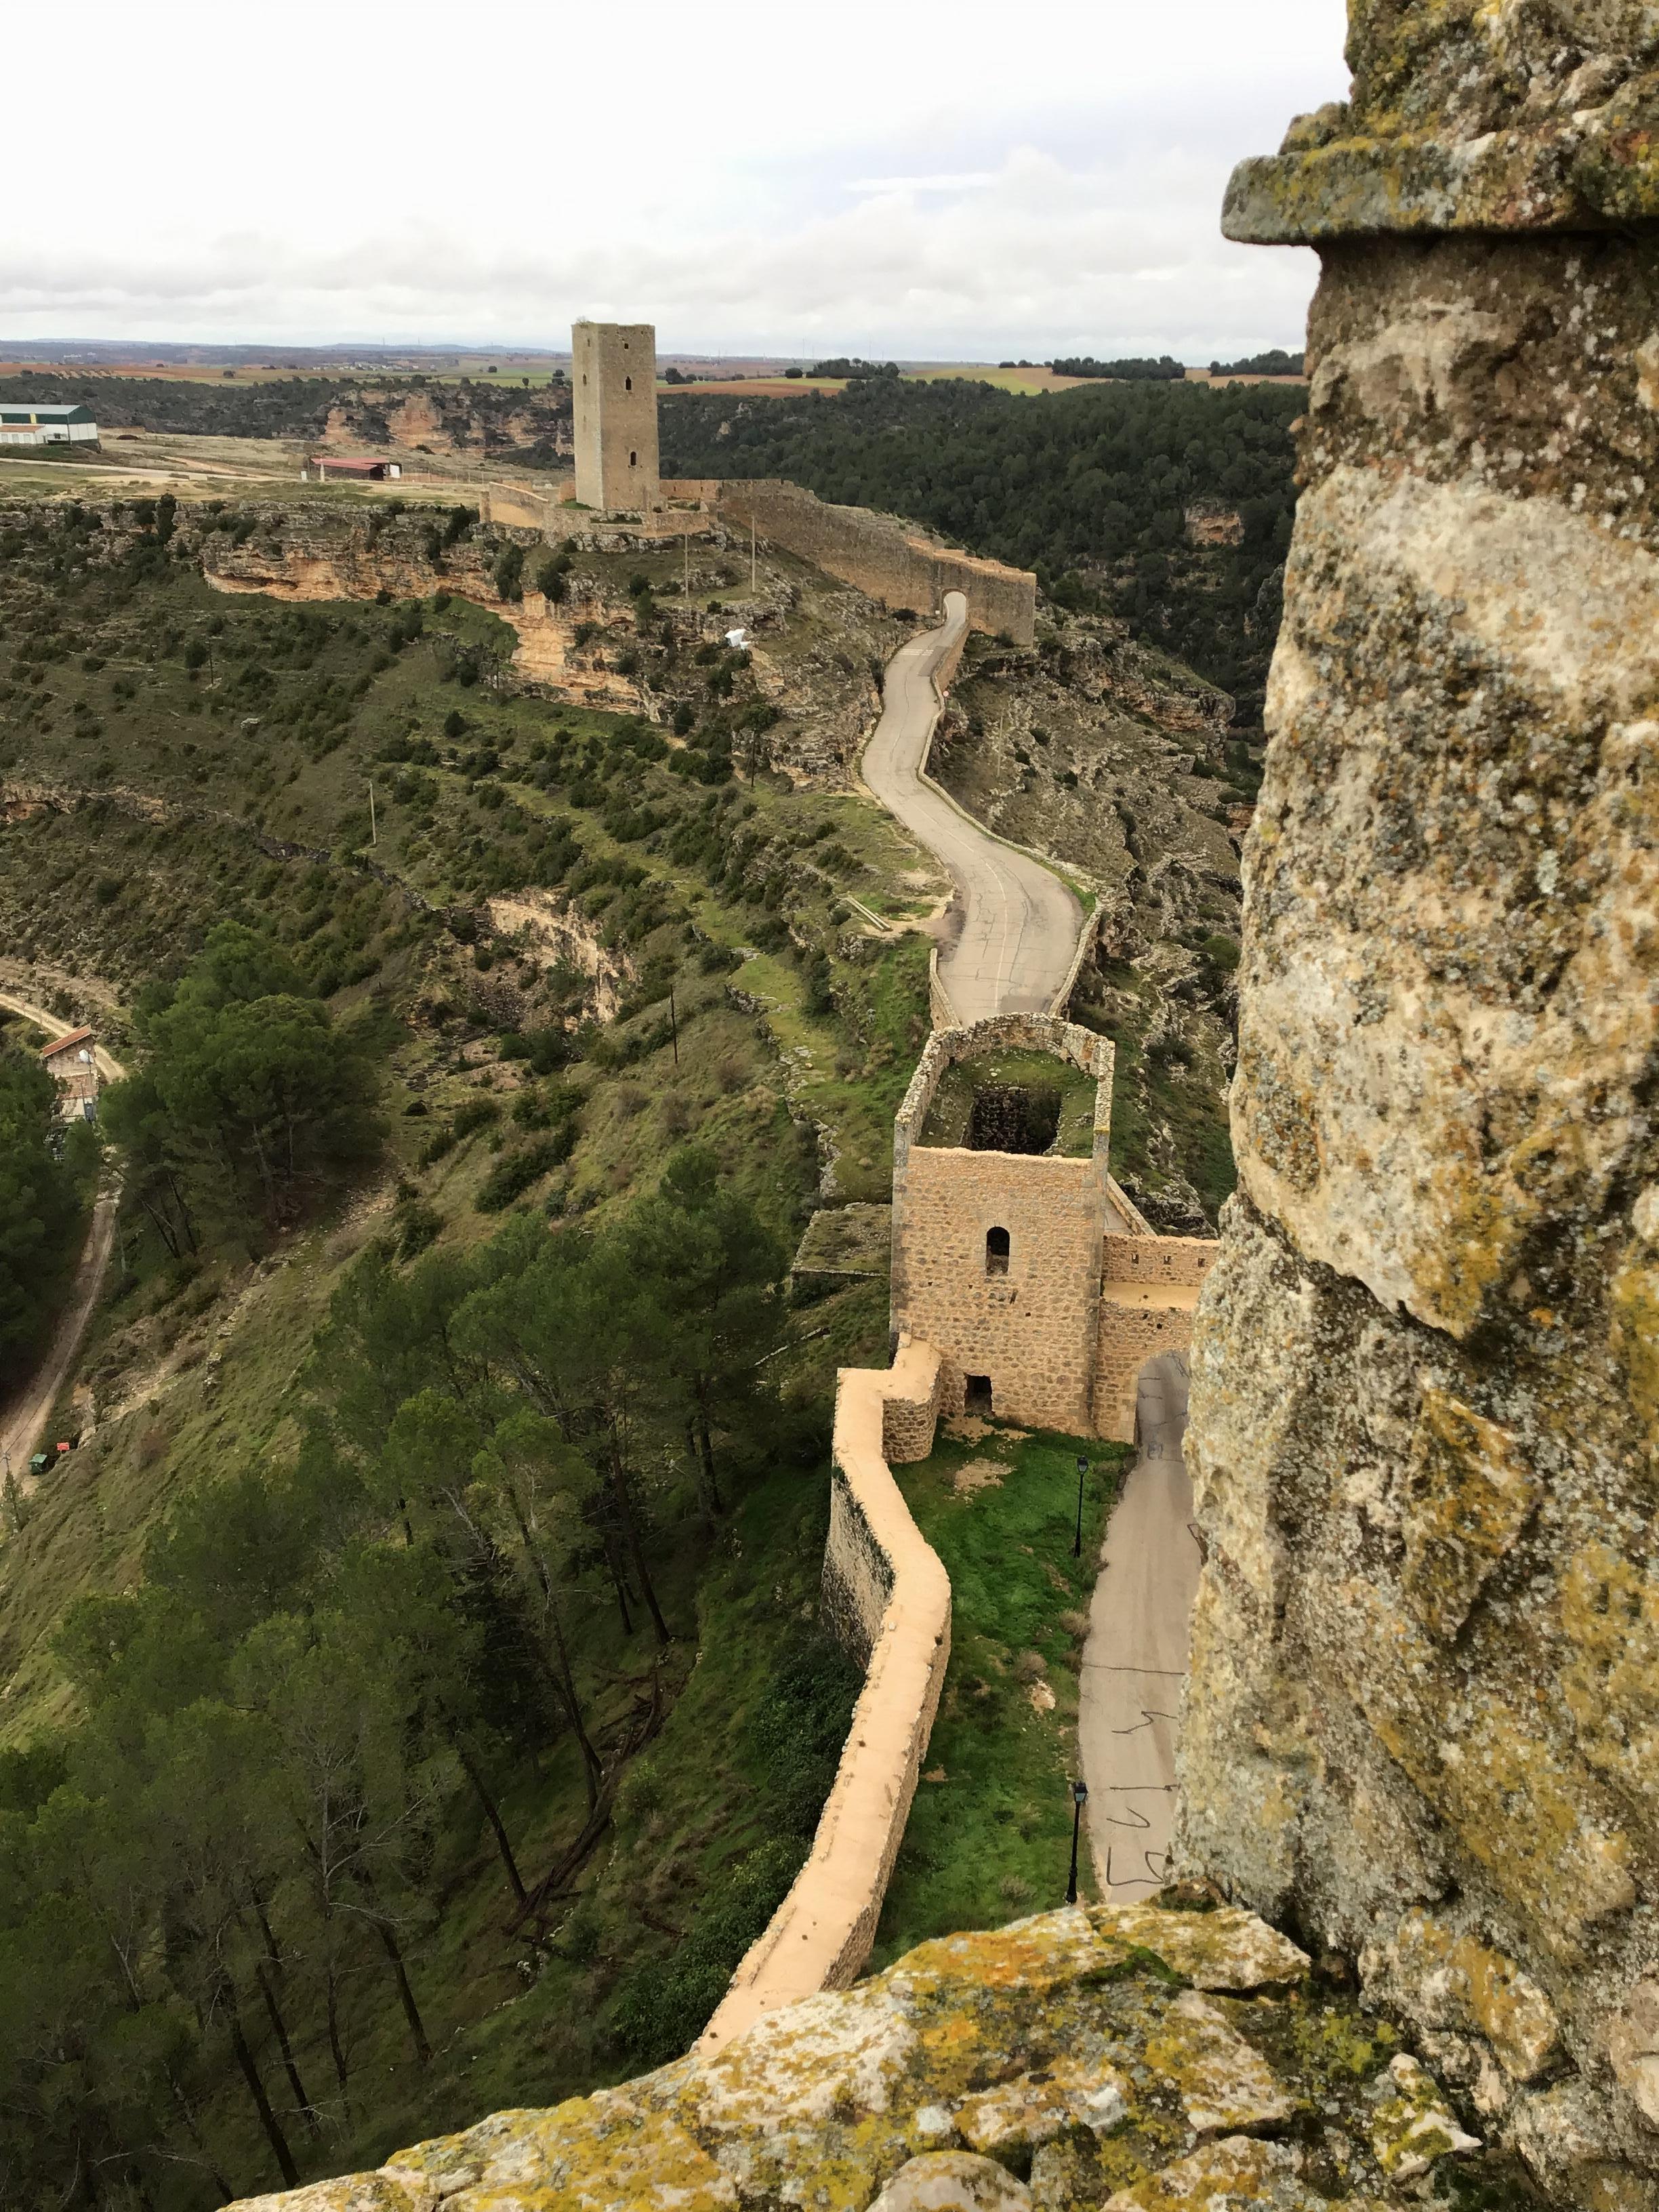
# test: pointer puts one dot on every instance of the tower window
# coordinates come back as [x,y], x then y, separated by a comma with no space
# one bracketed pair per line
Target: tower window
[627,383]
[633,460]
[996,1251]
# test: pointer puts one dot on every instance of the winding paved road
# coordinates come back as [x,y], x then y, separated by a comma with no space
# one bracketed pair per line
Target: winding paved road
[1134,1660]
[1019,922]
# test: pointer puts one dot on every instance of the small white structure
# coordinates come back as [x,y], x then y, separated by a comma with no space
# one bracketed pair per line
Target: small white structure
[33,423]
[362,468]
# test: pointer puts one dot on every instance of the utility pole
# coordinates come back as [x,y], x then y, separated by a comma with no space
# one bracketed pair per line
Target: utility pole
[685,549]
[674,1024]
[753,584]
[374,835]
[1082,1470]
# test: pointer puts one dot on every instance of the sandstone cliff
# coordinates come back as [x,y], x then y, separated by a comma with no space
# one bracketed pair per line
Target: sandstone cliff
[1425,1390]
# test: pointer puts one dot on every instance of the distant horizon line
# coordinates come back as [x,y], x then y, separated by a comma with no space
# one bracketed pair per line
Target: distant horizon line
[57,350]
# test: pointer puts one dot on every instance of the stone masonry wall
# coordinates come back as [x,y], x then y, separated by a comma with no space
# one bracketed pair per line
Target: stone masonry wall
[1032,1331]
[1158,1261]
[1424,1718]
[881,1580]
[1149,1289]
[877,553]
[1128,1337]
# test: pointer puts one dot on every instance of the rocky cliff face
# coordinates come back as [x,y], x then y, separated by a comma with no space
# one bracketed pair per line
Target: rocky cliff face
[1425,1711]
[1140,2060]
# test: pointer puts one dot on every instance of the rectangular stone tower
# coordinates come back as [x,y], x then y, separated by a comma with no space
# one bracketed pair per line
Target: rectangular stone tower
[613,375]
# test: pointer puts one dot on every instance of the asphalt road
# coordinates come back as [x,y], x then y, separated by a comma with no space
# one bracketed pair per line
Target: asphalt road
[1134,1659]
[23,1411]
[1020,923]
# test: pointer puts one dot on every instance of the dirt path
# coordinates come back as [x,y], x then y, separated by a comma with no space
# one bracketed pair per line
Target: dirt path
[24,1412]
[1019,922]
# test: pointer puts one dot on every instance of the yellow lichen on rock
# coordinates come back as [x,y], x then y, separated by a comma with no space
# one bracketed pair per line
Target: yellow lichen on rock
[1472,1491]
[1412,2124]
[1235,2172]
[1068,2047]
[1223,2083]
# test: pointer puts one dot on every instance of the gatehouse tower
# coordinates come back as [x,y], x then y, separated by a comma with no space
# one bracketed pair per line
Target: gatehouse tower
[613,377]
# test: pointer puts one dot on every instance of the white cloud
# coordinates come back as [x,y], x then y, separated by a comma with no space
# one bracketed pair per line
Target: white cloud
[914,178]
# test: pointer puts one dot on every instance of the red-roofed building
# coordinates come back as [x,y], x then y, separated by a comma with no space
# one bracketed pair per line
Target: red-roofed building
[71,1061]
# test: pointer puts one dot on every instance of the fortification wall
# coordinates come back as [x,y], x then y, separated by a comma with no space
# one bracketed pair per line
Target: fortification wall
[885,1589]
[613,383]
[877,554]
[1030,1330]
[1128,1336]
[1157,1263]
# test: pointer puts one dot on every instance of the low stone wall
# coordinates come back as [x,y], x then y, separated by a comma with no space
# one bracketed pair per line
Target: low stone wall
[899,566]
[887,1595]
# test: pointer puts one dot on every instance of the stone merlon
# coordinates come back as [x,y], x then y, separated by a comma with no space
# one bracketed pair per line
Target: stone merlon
[1470,116]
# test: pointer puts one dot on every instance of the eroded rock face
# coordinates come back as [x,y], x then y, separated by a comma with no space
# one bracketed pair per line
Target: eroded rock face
[1425,1711]
[1145,2060]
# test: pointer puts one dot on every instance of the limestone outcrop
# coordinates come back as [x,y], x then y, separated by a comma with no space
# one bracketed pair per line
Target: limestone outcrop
[1425,1385]
[1138,2058]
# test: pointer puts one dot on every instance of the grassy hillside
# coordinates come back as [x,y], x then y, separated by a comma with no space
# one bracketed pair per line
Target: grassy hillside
[581,952]
[174,761]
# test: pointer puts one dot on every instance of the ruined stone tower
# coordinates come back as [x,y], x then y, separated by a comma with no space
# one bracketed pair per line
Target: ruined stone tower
[1424,1718]
[613,374]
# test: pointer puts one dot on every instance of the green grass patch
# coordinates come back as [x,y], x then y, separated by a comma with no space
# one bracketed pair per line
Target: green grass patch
[992,1840]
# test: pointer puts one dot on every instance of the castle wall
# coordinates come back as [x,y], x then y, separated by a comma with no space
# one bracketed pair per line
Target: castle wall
[884,559]
[613,379]
[887,1595]
[1032,1330]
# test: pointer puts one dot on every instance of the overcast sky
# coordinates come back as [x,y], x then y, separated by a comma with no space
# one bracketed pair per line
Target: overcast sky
[946,182]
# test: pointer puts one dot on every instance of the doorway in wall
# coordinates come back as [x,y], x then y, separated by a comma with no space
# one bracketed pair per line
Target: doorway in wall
[978,1400]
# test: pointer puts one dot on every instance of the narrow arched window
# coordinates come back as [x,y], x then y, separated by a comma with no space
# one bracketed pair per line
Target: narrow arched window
[633,460]
[996,1251]
[627,383]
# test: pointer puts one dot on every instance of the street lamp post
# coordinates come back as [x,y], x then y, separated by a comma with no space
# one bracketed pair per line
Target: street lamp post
[1079,1797]
[1077,1541]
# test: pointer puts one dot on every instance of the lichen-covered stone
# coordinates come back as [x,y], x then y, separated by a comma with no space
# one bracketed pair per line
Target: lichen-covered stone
[1223,2177]
[1423,1716]
[1219,1948]
[1412,2124]
[953,2181]
[1017,2116]
[1056,2057]
[1468,115]
[1223,2081]
[1450,1979]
